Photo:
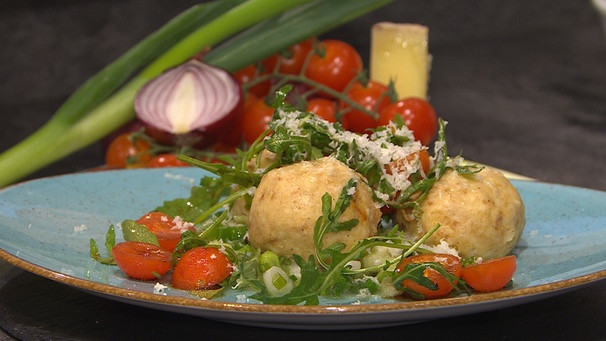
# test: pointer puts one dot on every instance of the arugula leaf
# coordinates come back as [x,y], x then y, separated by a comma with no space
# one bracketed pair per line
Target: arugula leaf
[110,241]
[329,221]
[415,272]
[135,232]
[189,240]
[202,197]
[226,174]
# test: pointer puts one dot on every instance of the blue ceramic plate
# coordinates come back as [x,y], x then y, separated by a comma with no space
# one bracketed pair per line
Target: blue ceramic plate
[46,226]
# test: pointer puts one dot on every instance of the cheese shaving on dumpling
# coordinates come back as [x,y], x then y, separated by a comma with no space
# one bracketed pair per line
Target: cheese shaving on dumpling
[377,146]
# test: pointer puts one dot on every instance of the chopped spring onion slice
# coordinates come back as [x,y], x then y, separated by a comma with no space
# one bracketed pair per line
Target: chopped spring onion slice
[277,281]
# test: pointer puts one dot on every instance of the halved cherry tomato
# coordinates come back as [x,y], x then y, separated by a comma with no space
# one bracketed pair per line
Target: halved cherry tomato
[490,275]
[422,155]
[256,116]
[419,115]
[323,108]
[451,263]
[201,268]
[335,64]
[249,73]
[373,97]
[124,151]
[291,60]
[166,160]
[142,261]
[167,229]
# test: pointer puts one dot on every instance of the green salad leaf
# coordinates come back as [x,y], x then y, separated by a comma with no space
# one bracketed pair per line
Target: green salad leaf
[110,241]
[135,232]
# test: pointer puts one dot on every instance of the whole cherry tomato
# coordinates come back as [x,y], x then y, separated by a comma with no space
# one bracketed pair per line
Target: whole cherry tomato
[130,127]
[291,60]
[256,116]
[250,73]
[323,108]
[140,260]
[127,151]
[451,263]
[334,64]
[490,275]
[419,115]
[166,160]
[201,268]
[373,97]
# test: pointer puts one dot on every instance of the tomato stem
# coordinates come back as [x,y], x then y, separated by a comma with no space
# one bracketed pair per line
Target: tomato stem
[315,87]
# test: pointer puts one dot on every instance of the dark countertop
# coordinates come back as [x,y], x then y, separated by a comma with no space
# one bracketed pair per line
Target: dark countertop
[522,84]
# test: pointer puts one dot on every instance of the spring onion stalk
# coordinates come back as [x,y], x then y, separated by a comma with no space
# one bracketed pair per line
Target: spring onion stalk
[278,33]
[78,123]
[106,81]
[73,130]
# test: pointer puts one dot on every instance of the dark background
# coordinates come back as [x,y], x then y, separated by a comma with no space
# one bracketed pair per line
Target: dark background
[521,82]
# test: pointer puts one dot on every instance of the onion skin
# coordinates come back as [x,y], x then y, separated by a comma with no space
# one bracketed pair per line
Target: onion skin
[193,104]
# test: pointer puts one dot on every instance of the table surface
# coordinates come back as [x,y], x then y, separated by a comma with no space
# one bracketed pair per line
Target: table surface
[522,84]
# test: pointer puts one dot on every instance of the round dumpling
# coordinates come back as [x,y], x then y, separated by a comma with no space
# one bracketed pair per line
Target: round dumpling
[480,215]
[288,201]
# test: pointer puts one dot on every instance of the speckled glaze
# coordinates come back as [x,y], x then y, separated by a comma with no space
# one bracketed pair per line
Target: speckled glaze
[46,225]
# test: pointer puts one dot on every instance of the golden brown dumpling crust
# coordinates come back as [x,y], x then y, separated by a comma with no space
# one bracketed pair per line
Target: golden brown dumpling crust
[288,201]
[480,215]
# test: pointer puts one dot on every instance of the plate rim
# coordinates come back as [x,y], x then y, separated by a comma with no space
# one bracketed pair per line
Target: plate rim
[198,303]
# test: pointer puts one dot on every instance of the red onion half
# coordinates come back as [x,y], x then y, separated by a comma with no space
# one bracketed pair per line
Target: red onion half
[193,99]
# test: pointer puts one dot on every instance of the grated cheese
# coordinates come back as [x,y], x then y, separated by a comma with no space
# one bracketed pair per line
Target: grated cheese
[443,247]
[160,288]
[80,228]
[180,224]
[375,147]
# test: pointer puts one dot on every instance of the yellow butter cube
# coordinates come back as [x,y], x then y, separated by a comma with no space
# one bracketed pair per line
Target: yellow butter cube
[399,53]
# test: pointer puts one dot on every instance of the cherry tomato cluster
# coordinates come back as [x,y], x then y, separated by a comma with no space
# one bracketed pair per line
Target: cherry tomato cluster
[328,79]
[486,276]
[198,268]
[135,149]
[127,150]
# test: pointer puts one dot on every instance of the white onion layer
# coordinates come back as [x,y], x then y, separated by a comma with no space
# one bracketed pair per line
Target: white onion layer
[189,97]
